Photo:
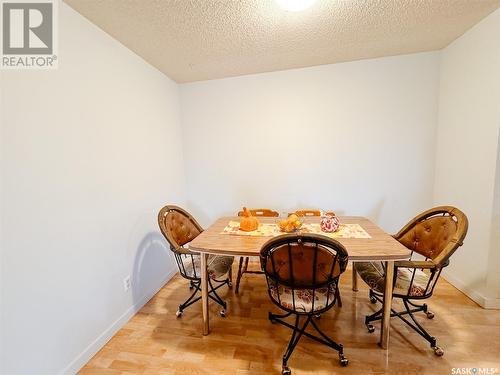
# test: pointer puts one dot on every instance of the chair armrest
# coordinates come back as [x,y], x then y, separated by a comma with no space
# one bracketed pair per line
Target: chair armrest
[426,264]
[183,250]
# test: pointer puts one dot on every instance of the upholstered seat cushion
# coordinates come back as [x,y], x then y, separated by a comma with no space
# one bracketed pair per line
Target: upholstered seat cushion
[282,295]
[373,274]
[217,265]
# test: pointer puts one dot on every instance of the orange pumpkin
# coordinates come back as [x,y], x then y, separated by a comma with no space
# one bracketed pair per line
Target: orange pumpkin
[291,224]
[248,222]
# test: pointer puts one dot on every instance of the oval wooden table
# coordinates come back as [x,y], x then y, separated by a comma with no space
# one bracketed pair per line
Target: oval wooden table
[379,247]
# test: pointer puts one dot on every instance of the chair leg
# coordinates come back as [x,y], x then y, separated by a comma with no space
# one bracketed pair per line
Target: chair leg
[329,341]
[424,308]
[337,296]
[419,329]
[212,294]
[294,340]
[297,334]
[230,277]
[377,315]
[414,324]
[272,317]
[247,259]
[215,296]
[238,277]
[190,300]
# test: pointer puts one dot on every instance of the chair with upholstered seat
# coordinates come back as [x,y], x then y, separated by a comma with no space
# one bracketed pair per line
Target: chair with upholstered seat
[435,235]
[180,228]
[302,273]
[242,269]
[313,213]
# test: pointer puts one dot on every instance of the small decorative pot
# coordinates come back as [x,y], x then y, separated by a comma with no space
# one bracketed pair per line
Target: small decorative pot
[329,223]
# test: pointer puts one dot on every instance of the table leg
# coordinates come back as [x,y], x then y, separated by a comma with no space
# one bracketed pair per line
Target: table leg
[204,293]
[386,314]
[354,279]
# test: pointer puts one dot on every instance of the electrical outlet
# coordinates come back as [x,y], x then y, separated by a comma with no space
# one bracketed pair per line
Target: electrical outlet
[126,283]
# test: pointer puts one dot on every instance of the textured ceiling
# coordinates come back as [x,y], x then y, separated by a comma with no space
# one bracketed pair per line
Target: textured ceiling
[192,40]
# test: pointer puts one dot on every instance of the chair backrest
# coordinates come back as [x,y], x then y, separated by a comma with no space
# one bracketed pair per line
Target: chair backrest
[303,213]
[178,226]
[436,233]
[303,261]
[263,212]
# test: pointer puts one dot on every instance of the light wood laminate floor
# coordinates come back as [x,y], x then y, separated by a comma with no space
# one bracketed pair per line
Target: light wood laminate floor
[156,342]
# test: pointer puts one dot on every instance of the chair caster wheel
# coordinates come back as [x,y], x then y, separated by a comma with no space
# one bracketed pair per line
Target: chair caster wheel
[373,300]
[343,361]
[438,351]
[371,328]
[430,315]
[285,370]
[222,313]
[178,313]
[317,316]
[271,318]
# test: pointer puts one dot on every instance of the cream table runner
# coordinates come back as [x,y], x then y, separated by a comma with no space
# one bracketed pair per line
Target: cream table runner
[272,230]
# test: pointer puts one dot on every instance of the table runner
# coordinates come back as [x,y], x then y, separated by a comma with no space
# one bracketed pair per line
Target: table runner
[272,230]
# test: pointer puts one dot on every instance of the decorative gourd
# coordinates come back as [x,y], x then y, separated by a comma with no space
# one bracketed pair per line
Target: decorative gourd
[329,223]
[291,224]
[248,222]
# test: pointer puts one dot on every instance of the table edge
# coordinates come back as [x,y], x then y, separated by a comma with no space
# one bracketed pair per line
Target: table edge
[256,254]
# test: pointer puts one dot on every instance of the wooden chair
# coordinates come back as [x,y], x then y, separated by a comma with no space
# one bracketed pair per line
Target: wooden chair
[180,228]
[302,272]
[262,212]
[305,213]
[434,234]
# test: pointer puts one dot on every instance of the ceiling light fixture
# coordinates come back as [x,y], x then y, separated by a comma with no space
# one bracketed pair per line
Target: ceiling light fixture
[295,5]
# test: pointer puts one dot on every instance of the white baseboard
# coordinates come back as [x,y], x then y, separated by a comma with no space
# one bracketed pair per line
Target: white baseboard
[473,294]
[492,303]
[85,356]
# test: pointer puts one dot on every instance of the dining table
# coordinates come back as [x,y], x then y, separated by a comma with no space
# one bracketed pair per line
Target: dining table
[373,244]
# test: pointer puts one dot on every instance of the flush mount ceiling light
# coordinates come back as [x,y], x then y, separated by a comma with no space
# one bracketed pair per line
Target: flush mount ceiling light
[295,5]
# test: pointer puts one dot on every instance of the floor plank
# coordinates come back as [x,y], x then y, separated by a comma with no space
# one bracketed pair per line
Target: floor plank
[155,342]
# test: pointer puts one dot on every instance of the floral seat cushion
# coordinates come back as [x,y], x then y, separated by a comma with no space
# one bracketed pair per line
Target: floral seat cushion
[217,265]
[373,273]
[323,297]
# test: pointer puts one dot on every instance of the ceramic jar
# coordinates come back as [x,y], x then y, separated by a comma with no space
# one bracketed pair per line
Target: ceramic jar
[329,223]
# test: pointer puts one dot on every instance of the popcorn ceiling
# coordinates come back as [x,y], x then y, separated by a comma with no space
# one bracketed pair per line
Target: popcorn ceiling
[192,40]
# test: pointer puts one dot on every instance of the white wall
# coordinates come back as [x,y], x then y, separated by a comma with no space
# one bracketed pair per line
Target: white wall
[467,142]
[356,137]
[1,221]
[493,279]
[89,154]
